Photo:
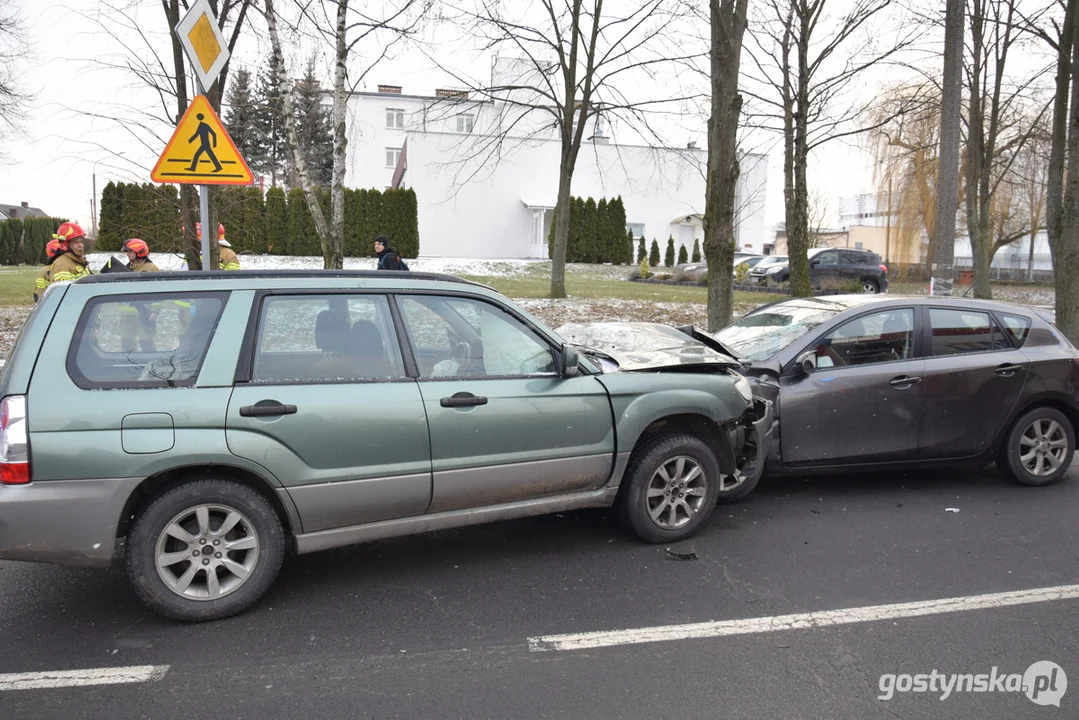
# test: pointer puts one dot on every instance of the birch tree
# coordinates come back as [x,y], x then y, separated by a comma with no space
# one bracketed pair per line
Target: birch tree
[351,26]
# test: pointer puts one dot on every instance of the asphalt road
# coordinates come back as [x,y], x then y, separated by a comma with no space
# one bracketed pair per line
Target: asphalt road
[437,626]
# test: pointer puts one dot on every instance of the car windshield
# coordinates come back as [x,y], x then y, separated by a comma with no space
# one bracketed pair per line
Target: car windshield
[762,334]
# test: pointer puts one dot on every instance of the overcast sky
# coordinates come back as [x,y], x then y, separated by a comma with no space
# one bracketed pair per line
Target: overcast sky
[52,165]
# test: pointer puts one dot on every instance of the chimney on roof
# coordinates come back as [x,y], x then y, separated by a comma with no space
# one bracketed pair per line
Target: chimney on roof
[393,89]
[445,93]
[25,204]
[691,145]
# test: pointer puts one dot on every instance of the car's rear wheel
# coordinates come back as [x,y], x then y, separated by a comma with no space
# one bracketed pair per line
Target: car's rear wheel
[870,286]
[669,489]
[1040,447]
[205,550]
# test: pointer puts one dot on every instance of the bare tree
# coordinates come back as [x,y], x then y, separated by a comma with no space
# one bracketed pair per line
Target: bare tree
[1028,178]
[572,66]
[997,128]
[14,49]
[728,24]
[940,282]
[350,26]
[1062,200]
[809,65]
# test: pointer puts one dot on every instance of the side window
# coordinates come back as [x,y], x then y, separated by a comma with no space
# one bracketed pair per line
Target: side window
[880,337]
[456,337]
[826,258]
[1017,327]
[964,331]
[326,338]
[849,258]
[147,340]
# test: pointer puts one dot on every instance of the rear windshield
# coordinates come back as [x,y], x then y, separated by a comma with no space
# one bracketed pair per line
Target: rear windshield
[762,334]
[144,340]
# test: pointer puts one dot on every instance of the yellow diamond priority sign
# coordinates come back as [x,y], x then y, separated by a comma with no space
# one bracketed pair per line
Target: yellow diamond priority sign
[203,42]
[201,152]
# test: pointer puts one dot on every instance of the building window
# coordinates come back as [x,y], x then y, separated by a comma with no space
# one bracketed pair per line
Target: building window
[637,229]
[858,245]
[465,122]
[392,156]
[395,119]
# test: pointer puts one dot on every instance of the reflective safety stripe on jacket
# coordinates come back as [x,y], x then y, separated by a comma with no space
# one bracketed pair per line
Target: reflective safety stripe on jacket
[69,267]
[41,282]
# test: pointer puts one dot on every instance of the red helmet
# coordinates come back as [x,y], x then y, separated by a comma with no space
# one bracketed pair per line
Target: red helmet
[220,231]
[137,246]
[67,232]
[54,249]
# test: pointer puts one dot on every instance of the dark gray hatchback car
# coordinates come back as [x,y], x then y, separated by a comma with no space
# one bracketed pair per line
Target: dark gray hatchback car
[865,381]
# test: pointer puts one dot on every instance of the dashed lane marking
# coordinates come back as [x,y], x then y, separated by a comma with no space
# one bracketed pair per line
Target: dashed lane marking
[81,678]
[799,621]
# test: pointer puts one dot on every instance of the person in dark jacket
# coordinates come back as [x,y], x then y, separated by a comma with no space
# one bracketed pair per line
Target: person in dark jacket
[388,258]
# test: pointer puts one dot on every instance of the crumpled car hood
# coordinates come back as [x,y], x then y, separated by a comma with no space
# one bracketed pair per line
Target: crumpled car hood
[646,346]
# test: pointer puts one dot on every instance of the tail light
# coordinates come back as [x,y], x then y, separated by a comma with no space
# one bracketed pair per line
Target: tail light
[884,268]
[14,445]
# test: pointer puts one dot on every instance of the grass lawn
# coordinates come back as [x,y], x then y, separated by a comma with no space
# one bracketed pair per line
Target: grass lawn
[594,288]
[17,285]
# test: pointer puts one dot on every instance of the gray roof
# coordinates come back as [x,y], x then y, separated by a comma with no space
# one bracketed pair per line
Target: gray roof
[18,212]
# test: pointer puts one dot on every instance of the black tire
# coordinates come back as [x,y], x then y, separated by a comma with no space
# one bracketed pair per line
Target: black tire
[726,497]
[870,286]
[1013,463]
[633,504]
[222,497]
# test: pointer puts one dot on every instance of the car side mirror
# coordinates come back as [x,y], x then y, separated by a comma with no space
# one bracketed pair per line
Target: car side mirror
[814,263]
[570,362]
[807,362]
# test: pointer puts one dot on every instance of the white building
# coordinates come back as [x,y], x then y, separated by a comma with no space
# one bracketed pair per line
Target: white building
[486,172]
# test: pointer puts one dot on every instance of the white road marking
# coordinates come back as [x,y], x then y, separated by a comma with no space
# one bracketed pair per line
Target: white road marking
[798,621]
[81,678]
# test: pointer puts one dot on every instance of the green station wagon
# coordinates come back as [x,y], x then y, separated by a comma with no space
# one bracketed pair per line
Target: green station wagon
[197,426]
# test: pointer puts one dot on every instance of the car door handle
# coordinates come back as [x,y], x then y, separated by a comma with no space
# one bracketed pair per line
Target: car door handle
[267,408]
[1008,370]
[904,381]
[463,399]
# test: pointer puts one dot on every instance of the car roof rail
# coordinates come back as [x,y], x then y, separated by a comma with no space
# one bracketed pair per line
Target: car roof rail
[272,274]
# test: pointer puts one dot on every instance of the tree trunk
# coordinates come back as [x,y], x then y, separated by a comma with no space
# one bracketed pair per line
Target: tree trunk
[334,259]
[728,21]
[303,177]
[1030,255]
[948,175]
[561,228]
[977,164]
[796,152]
[1066,247]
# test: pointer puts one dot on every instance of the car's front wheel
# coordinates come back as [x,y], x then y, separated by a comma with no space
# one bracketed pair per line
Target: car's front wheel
[1039,448]
[205,550]
[669,489]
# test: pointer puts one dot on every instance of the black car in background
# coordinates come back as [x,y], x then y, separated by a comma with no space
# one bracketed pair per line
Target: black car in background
[832,267]
[863,381]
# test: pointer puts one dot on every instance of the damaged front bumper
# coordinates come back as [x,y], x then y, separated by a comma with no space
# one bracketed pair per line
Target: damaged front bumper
[753,441]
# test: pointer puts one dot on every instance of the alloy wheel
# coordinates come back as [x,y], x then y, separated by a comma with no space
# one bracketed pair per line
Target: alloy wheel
[676,492]
[206,552]
[1043,447]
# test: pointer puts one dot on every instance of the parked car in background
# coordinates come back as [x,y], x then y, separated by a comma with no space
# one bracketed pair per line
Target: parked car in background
[832,267]
[267,412]
[868,382]
[761,267]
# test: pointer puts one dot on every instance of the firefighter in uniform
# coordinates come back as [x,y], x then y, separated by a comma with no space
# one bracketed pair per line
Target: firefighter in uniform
[138,321]
[44,276]
[70,265]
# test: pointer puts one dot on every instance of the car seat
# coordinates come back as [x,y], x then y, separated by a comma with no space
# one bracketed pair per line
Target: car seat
[896,332]
[331,331]
[365,344]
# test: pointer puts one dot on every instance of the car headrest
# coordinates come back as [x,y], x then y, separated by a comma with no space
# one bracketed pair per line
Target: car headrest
[366,339]
[331,331]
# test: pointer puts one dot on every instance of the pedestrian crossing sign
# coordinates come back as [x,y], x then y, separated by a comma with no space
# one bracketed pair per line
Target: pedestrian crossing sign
[200,151]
